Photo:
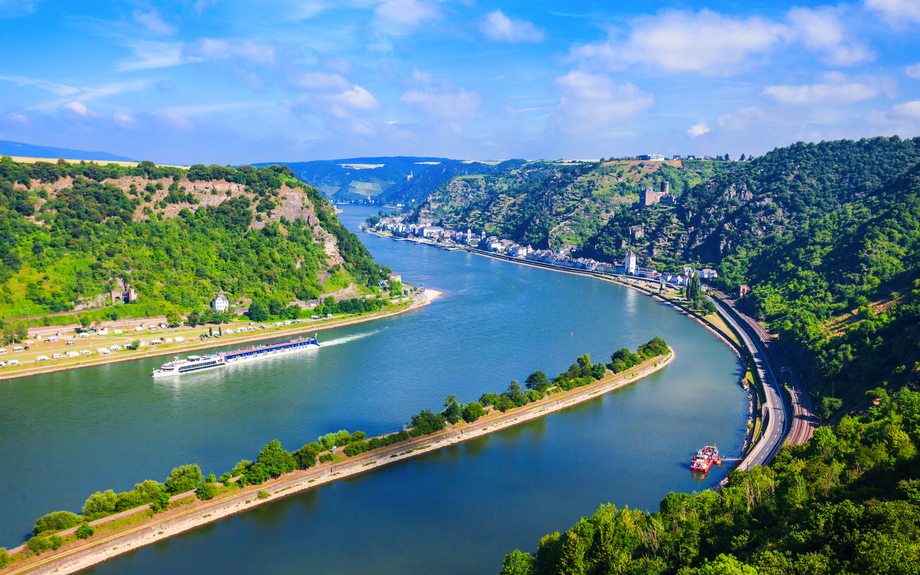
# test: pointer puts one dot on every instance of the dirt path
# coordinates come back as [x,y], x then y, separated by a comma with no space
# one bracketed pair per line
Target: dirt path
[82,554]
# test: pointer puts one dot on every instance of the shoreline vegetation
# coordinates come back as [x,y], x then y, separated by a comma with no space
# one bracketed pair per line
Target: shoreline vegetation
[66,542]
[193,345]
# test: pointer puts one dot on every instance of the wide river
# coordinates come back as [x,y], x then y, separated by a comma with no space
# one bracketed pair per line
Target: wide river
[457,510]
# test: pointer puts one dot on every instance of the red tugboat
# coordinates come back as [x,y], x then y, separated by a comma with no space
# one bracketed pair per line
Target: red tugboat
[704,459]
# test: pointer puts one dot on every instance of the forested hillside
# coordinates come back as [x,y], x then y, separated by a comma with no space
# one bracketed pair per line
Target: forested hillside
[70,233]
[551,204]
[848,287]
[728,219]
[847,502]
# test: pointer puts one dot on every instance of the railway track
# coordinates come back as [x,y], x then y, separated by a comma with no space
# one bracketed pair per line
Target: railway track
[803,422]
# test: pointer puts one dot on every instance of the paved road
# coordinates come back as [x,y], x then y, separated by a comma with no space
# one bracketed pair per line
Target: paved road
[774,408]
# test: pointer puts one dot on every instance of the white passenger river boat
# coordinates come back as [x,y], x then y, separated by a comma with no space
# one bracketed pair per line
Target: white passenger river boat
[244,354]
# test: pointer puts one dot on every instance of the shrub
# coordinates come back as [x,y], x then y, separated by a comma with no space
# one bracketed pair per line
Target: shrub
[183,478]
[473,411]
[55,542]
[99,505]
[57,521]
[85,531]
[38,545]
[356,448]
[325,457]
[4,558]
[225,478]
[264,494]
[160,503]
[206,491]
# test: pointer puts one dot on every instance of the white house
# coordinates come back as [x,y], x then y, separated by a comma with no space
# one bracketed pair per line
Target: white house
[220,303]
[708,274]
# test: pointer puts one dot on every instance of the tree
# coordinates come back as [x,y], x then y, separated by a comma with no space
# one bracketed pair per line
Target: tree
[518,563]
[305,457]
[99,505]
[256,474]
[184,478]
[452,410]
[57,521]
[515,394]
[537,381]
[275,460]
[257,311]
[193,319]
[206,491]
[173,318]
[84,531]
[473,411]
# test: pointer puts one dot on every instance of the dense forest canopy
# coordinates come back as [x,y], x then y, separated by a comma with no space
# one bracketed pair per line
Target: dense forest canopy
[70,232]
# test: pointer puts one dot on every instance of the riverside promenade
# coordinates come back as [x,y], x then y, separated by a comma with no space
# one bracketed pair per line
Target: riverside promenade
[79,555]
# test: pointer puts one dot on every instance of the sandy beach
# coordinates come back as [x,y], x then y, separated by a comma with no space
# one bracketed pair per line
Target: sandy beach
[82,554]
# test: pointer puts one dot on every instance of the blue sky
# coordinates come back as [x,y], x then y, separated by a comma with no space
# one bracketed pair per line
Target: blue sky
[226,81]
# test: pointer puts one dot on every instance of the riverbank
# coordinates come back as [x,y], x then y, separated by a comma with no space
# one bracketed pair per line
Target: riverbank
[82,554]
[196,344]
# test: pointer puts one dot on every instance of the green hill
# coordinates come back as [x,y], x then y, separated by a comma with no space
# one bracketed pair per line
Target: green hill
[70,233]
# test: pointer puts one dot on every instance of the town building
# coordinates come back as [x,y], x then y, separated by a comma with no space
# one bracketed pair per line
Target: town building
[630,263]
[743,290]
[651,157]
[220,303]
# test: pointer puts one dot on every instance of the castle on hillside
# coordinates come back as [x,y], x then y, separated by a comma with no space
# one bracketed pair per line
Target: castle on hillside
[648,196]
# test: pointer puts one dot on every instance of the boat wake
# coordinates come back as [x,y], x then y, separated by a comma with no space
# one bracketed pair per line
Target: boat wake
[349,338]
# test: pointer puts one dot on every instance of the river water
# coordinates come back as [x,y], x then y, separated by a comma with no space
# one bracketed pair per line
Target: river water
[456,510]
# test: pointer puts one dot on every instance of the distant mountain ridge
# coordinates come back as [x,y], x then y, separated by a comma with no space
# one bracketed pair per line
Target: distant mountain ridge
[407,180]
[8,148]
[351,179]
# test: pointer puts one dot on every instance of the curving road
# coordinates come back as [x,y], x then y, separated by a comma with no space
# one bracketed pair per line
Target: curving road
[774,409]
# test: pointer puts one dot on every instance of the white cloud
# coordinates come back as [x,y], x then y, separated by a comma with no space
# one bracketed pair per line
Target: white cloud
[151,54]
[407,12]
[320,81]
[678,40]
[17,118]
[836,88]
[742,119]
[218,48]
[822,30]
[913,71]
[155,23]
[500,28]
[907,110]
[896,12]
[176,120]
[590,102]
[450,104]
[77,107]
[336,101]
[123,120]
[697,130]
[59,89]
